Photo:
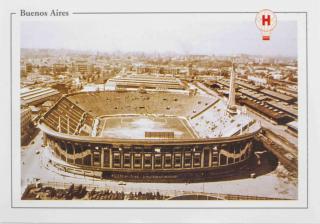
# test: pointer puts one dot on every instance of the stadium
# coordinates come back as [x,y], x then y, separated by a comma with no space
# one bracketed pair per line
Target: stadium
[150,135]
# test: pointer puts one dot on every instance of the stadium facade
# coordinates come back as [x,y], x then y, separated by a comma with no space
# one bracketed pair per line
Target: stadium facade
[149,136]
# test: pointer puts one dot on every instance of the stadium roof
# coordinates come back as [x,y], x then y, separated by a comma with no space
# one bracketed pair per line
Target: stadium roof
[252,94]
[36,94]
[247,85]
[145,80]
[277,95]
[289,109]
[293,125]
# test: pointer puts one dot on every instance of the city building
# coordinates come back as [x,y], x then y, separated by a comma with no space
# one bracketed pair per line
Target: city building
[25,121]
[38,96]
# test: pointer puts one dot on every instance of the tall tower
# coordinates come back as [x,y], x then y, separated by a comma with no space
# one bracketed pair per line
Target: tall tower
[232,93]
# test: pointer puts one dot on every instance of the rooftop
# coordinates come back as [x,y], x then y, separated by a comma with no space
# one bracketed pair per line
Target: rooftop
[29,96]
[277,95]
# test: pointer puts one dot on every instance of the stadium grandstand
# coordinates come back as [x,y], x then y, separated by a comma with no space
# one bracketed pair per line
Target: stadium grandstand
[150,81]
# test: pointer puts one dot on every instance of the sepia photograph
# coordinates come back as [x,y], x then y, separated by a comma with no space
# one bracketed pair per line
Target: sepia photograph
[160,106]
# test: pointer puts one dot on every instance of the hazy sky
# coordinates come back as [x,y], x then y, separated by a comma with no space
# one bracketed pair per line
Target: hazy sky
[187,34]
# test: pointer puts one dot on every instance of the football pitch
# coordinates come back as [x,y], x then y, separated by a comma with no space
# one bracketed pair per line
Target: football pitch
[134,127]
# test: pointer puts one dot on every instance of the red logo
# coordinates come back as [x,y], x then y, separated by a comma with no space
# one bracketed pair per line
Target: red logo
[266,21]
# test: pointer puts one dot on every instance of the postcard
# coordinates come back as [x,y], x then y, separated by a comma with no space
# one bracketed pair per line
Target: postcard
[156,110]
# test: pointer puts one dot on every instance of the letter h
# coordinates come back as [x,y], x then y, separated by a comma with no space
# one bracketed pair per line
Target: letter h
[266,20]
